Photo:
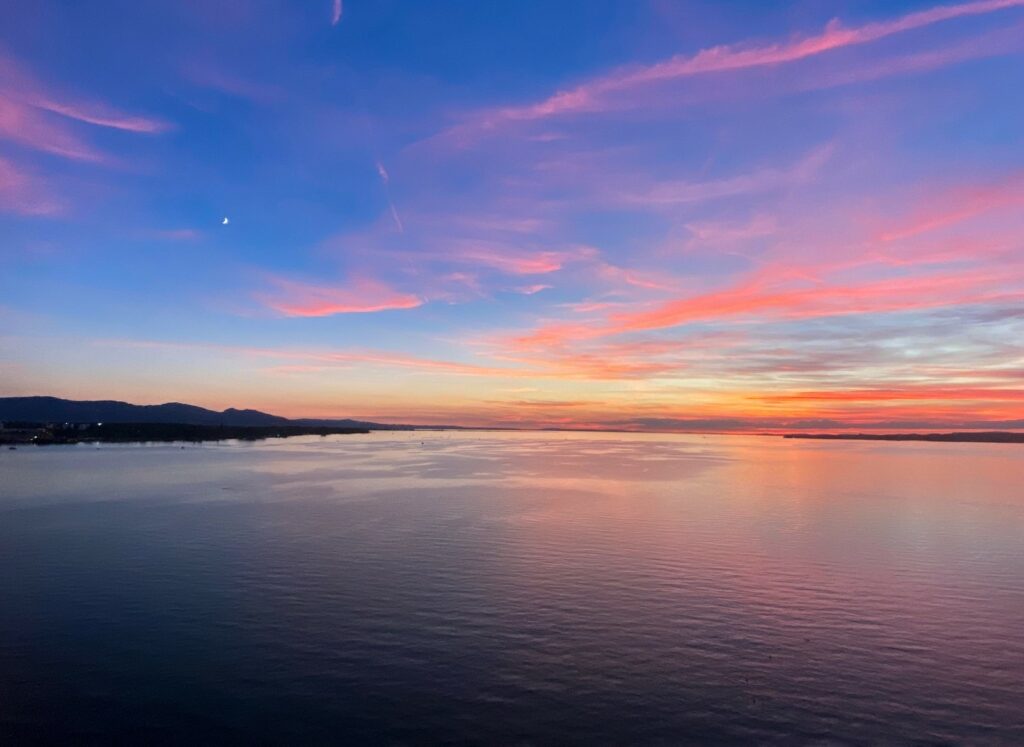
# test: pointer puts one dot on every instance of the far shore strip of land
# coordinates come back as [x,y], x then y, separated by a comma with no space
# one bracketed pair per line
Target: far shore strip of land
[42,435]
[986,437]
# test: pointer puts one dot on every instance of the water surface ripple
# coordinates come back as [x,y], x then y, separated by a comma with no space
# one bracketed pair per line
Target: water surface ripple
[513,588]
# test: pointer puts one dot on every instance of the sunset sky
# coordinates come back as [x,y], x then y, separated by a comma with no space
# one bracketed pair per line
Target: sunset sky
[650,214]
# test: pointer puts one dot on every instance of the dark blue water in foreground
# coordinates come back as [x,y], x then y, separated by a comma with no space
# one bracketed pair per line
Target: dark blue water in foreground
[513,588]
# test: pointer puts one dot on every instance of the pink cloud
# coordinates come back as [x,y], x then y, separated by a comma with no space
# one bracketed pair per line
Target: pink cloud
[396,219]
[1004,41]
[415,362]
[959,204]
[601,181]
[17,84]
[102,116]
[925,392]
[877,296]
[23,193]
[176,234]
[359,296]
[318,359]
[25,126]
[529,290]
[294,369]
[216,78]
[757,227]
[499,224]
[634,278]
[835,36]
[593,94]
[499,258]
[677,192]
[503,257]
[773,296]
[590,307]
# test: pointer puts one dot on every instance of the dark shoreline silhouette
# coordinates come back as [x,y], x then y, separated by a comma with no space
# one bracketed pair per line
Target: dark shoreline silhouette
[42,434]
[55,420]
[989,437]
[57,412]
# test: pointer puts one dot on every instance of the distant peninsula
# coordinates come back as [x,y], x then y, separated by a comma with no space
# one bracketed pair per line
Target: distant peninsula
[986,437]
[52,420]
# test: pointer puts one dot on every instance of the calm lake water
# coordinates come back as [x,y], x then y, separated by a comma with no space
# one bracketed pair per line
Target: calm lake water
[513,588]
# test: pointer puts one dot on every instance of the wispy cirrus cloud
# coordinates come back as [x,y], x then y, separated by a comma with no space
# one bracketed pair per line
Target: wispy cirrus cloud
[763,298]
[307,360]
[35,117]
[597,93]
[529,290]
[20,87]
[509,259]
[834,36]
[825,300]
[172,234]
[717,232]
[206,74]
[958,204]
[24,193]
[100,115]
[27,127]
[667,193]
[357,296]
[872,395]
[440,253]
[1003,41]
[667,243]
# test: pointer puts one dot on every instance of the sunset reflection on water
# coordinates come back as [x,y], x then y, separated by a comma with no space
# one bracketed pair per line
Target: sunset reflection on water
[507,586]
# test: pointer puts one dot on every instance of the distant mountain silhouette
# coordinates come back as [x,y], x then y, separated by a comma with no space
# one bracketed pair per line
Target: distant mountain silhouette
[57,410]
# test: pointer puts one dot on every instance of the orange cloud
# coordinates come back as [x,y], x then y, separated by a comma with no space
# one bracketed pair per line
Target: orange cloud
[771,296]
[873,395]
[887,295]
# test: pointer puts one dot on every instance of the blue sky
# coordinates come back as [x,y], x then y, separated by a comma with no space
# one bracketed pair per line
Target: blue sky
[766,214]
